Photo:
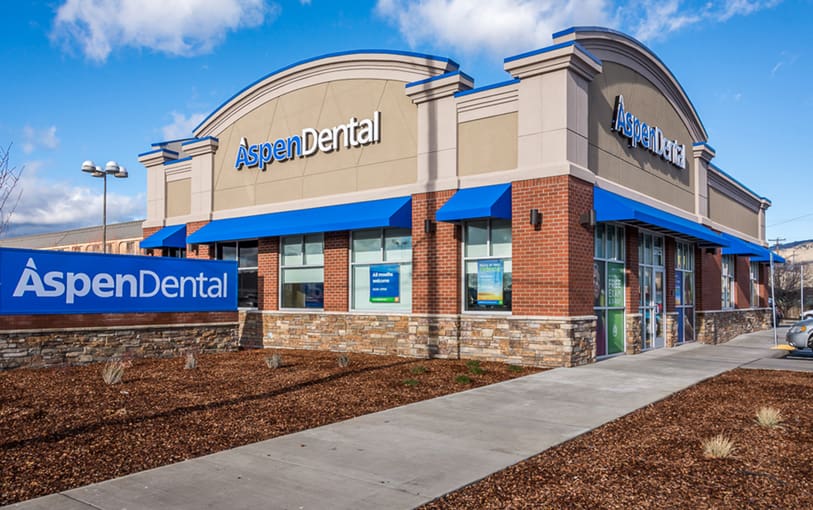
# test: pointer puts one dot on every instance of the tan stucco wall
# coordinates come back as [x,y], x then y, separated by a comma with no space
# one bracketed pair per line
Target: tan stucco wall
[729,212]
[487,145]
[609,155]
[391,162]
[179,197]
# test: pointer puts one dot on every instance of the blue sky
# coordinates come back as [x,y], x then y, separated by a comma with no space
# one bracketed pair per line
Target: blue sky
[103,79]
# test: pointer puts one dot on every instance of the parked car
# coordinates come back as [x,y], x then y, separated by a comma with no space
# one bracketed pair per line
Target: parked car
[807,314]
[800,335]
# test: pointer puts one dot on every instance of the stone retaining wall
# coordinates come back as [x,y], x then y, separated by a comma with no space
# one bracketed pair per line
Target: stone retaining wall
[532,341]
[79,346]
[719,326]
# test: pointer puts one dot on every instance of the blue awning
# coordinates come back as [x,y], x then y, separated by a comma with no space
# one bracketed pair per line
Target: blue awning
[612,207]
[482,202]
[389,212]
[778,259]
[737,246]
[168,237]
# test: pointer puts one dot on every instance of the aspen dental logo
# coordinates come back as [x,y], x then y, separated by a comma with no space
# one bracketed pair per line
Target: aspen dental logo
[69,286]
[651,138]
[355,133]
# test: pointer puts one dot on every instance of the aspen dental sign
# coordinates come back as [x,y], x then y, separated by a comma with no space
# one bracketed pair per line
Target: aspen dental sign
[651,138]
[356,133]
[45,282]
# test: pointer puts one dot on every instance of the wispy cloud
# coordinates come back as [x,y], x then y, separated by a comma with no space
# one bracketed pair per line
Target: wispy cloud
[39,138]
[176,27]
[181,125]
[47,206]
[785,59]
[504,26]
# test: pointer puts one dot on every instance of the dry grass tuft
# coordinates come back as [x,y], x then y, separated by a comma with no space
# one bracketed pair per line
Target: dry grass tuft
[273,361]
[113,371]
[191,361]
[343,360]
[769,417]
[718,447]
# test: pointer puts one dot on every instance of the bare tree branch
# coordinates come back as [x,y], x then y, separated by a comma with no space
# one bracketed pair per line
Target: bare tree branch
[9,192]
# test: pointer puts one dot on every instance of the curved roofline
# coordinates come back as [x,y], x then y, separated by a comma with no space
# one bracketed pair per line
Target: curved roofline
[645,49]
[451,66]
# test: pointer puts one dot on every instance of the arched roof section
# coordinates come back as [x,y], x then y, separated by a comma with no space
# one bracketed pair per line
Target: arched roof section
[371,64]
[613,46]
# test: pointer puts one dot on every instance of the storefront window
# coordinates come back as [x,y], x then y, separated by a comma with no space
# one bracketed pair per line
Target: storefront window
[487,262]
[245,253]
[727,282]
[652,282]
[302,271]
[684,290]
[381,269]
[754,276]
[609,282]
[179,253]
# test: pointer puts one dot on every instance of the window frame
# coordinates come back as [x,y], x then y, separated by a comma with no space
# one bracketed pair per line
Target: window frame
[282,267]
[243,270]
[753,278]
[399,308]
[465,259]
[727,281]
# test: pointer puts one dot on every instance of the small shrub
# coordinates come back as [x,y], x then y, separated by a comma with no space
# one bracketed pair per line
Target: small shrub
[769,417]
[410,382]
[462,379]
[718,447]
[418,370]
[474,367]
[191,361]
[343,360]
[273,361]
[113,371]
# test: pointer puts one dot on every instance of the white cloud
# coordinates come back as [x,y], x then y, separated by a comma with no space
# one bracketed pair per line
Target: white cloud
[181,126]
[505,26]
[177,27]
[46,205]
[35,138]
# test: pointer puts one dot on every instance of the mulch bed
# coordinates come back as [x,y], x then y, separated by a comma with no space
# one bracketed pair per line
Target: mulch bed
[653,458]
[64,428]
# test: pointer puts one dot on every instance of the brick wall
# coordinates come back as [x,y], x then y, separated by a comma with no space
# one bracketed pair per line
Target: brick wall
[552,264]
[719,326]
[337,263]
[436,271]
[707,273]
[742,282]
[633,291]
[147,232]
[268,273]
[199,251]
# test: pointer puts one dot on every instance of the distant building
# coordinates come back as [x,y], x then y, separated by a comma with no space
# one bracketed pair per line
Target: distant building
[122,238]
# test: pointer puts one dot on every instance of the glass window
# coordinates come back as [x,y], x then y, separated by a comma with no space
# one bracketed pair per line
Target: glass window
[245,253]
[487,265]
[302,271]
[727,282]
[609,284]
[754,277]
[381,270]
[179,253]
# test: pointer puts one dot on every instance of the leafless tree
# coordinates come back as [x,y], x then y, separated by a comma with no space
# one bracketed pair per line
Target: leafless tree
[787,279]
[10,193]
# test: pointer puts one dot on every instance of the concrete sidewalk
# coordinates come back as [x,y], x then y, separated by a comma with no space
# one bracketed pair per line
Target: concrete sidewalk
[410,455]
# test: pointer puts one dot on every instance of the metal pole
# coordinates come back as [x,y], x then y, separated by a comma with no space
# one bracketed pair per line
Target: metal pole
[773,305]
[104,215]
[802,291]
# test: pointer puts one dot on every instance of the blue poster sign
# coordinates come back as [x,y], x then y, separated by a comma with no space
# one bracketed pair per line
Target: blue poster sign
[53,282]
[385,283]
[489,282]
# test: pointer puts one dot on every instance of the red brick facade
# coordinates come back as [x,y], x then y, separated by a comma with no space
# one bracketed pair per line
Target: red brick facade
[337,271]
[436,257]
[552,264]
[742,282]
[268,273]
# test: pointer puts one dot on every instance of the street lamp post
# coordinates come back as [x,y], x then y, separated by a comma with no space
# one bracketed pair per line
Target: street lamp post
[113,169]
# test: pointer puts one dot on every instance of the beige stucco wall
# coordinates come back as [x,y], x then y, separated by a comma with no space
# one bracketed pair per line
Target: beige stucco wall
[178,197]
[487,145]
[609,155]
[391,162]
[729,212]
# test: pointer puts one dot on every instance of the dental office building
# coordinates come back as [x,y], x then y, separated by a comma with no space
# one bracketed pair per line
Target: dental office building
[376,201]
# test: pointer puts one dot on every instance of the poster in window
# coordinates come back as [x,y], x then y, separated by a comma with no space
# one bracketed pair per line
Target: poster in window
[489,282]
[615,331]
[314,295]
[599,291]
[385,282]
[615,285]
[679,289]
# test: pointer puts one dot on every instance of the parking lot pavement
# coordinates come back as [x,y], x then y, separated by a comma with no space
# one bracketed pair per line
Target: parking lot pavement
[798,361]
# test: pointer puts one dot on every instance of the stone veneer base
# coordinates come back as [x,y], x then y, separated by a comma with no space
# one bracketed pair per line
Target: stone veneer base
[530,341]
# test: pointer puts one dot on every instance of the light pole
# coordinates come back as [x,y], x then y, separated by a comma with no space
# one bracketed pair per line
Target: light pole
[113,169]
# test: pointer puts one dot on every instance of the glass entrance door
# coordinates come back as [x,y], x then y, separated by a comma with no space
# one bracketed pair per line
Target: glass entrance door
[652,280]
[684,291]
